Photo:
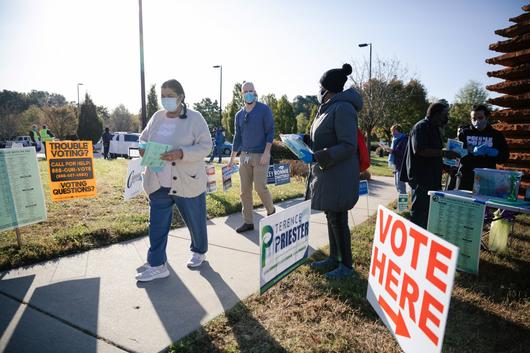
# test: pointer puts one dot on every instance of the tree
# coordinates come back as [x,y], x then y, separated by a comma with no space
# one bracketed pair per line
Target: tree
[301,123]
[122,120]
[209,110]
[62,121]
[381,95]
[103,114]
[271,101]
[152,102]
[90,125]
[312,116]
[472,93]
[304,105]
[285,122]
[230,111]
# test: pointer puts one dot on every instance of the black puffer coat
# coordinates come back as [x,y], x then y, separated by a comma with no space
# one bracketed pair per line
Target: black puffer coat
[334,177]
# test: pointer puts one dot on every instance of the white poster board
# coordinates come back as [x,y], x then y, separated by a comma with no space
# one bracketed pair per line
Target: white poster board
[133,181]
[283,242]
[410,281]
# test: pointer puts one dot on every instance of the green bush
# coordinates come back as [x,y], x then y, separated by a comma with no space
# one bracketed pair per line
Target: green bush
[279,151]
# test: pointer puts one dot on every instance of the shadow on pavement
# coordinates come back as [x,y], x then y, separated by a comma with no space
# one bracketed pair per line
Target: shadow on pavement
[69,301]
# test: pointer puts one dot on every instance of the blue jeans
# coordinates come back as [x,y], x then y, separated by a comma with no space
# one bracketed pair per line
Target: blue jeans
[216,152]
[401,186]
[193,212]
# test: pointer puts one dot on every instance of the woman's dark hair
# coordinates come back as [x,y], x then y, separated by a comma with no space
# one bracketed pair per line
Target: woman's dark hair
[175,86]
[481,107]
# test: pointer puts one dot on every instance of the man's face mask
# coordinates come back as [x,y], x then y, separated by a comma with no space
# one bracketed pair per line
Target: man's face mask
[249,97]
[479,124]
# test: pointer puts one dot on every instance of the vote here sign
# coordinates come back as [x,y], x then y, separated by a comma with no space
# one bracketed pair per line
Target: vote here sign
[410,281]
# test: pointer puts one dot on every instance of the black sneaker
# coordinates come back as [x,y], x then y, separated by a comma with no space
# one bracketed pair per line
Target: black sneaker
[245,227]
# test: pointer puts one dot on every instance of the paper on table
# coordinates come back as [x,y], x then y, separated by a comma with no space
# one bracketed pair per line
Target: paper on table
[152,154]
[295,144]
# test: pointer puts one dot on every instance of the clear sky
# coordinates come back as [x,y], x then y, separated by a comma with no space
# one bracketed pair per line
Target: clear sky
[282,46]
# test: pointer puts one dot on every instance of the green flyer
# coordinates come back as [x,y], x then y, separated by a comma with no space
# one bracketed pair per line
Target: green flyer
[152,154]
[459,220]
[21,194]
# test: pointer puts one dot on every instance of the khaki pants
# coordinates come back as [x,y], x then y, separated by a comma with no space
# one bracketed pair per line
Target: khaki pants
[251,171]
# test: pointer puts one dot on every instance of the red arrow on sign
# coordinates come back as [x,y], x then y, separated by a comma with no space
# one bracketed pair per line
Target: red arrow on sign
[401,327]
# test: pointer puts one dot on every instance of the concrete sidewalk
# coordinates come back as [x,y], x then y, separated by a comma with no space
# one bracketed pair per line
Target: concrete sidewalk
[91,303]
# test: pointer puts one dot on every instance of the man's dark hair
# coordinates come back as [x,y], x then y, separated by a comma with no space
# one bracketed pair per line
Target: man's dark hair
[435,108]
[107,129]
[481,107]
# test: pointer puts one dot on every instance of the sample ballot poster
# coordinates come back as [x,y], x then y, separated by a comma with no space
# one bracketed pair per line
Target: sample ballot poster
[21,195]
[71,169]
[458,220]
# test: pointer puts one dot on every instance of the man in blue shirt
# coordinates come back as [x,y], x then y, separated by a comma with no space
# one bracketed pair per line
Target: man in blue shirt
[254,132]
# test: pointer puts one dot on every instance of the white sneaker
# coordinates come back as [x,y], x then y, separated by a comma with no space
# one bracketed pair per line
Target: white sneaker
[196,260]
[143,267]
[153,273]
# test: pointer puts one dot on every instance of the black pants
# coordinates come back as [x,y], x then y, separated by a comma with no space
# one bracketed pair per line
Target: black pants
[106,147]
[419,211]
[339,237]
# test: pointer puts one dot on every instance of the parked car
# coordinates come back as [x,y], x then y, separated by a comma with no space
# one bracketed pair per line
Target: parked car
[226,149]
[24,140]
[120,143]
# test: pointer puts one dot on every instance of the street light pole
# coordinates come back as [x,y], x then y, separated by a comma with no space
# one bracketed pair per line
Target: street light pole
[370,67]
[220,91]
[79,84]
[142,72]
[362,45]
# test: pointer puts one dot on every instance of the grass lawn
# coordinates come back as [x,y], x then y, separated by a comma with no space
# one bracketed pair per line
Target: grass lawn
[379,165]
[307,313]
[83,224]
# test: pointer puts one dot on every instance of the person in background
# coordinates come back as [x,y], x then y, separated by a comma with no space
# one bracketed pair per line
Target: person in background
[45,135]
[334,179]
[487,146]
[218,145]
[34,135]
[105,139]
[422,167]
[395,158]
[181,181]
[254,132]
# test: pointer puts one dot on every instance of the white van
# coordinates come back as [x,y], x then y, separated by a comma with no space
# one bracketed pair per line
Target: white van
[120,143]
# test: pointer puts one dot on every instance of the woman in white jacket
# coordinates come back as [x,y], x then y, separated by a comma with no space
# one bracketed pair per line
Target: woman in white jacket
[181,181]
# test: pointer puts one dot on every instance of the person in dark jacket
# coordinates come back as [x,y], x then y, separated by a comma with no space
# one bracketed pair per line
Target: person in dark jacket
[487,147]
[395,159]
[105,139]
[218,145]
[334,179]
[422,167]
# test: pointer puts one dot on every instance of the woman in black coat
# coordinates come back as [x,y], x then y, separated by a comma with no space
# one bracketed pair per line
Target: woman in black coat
[334,179]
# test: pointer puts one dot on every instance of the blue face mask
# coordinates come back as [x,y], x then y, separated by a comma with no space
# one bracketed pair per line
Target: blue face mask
[170,104]
[249,97]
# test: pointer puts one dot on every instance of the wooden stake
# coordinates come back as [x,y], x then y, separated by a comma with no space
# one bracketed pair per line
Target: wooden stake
[19,237]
